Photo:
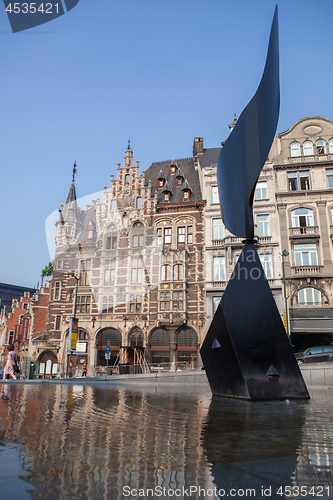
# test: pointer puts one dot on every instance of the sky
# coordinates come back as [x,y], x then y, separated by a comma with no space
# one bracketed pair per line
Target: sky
[156,72]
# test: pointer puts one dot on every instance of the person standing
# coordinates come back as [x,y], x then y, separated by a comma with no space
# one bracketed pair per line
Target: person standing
[9,366]
[84,369]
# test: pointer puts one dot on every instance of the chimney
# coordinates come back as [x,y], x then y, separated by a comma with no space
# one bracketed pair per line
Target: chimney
[197,146]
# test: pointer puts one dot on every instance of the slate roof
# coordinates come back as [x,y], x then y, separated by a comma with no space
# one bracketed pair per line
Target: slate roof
[72,193]
[209,157]
[189,173]
[86,216]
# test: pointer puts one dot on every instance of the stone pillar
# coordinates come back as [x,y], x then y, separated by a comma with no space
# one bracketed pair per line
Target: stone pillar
[325,238]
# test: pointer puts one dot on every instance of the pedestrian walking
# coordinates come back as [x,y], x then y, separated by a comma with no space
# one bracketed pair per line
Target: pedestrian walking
[9,366]
[84,369]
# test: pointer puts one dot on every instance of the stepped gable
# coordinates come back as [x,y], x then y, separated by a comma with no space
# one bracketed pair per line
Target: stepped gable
[186,165]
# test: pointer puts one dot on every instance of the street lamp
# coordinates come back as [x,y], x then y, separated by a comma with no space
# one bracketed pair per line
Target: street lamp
[284,254]
[72,275]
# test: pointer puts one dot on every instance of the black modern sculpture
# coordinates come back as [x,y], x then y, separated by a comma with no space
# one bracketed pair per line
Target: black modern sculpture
[246,352]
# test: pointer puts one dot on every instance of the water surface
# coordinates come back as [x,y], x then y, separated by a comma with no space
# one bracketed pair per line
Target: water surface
[102,442]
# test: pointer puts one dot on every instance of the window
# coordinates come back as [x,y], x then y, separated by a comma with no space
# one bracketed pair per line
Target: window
[85,268]
[139,202]
[89,231]
[189,234]
[330,146]
[113,205]
[11,337]
[321,147]
[329,173]
[57,290]
[109,271]
[137,268]
[83,304]
[266,262]
[178,272]
[261,191]
[215,194]
[25,305]
[57,322]
[167,235]
[263,225]
[186,195]
[127,178]
[159,236]
[309,297]
[219,268]
[308,148]
[218,229]
[305,255]
[107,306]
[135,303]
[21,319]
[177,301]
[179,181]
[298,181]
[60,264]
[160,183]
[302,217]
[111,240]
[166,196]
[166,272]
[216,301]
[82,335]
[165,301]
[181,235]
[138,233]
[295,149]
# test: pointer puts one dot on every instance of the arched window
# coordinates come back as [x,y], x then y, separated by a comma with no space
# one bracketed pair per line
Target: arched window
[321,147]
[330,145]
[160,346]
[309,297]
[302,218]
[136,339]
[307,148]
[187,346]
[112,338]
[138,235]
[178,273]
[166,272]
[295,149]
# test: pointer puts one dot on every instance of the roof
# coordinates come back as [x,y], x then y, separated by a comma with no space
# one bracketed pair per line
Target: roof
[72,193]
[188,171]
[209,157]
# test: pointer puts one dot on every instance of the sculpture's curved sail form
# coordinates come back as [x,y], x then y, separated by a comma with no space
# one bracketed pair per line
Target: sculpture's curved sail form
[248,145]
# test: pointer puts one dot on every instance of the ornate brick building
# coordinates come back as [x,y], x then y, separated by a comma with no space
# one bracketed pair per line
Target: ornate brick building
[137,258]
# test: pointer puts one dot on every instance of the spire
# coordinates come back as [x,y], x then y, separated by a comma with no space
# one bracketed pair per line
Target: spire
[129,145]
[72,192]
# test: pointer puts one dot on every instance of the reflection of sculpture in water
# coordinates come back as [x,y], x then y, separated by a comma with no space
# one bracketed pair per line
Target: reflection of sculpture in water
[246,352]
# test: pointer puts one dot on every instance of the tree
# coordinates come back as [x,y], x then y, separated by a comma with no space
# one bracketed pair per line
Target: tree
[47,271]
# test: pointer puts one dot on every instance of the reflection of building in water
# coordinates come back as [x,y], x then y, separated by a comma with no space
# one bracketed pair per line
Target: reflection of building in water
[138,257]
[92,441]
[315,460]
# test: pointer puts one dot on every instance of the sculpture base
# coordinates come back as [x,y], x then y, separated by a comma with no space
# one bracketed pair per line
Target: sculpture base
[246,352]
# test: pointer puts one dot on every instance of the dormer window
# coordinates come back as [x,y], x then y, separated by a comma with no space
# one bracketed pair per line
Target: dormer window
[179,181]
[90,231]
[160,183]
[166,196]
[186,194]
[161,179]
[173,169]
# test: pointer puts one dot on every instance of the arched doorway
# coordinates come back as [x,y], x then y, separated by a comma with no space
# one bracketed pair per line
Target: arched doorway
[136,352]
[112,338]
[47,365]
[160,346]
[187,350]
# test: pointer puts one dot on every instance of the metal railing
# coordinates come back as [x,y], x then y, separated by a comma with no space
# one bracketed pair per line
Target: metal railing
[139,369]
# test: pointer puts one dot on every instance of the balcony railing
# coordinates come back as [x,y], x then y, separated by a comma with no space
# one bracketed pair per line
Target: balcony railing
[309,304]
[264,239]
[217,243]
[303,231]
[219,284]
[303,270]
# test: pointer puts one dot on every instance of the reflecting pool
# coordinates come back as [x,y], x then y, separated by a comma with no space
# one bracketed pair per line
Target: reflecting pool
[111,442]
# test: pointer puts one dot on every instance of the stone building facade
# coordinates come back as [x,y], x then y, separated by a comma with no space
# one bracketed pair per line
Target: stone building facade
[131,267]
